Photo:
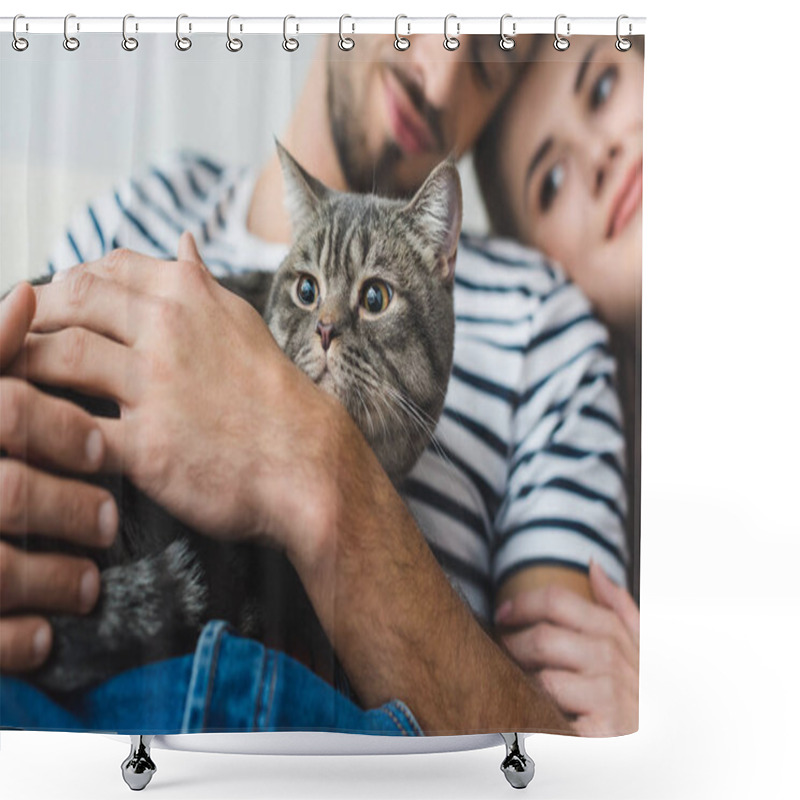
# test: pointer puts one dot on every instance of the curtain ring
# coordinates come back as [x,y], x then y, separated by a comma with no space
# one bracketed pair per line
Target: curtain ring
[70,42]
[400,42]
[183,43]
[507,42]
[18,43]
[623,45]
[345,42]
[129,43]
[233,44]
[560,42]
[289,44]
[451,42]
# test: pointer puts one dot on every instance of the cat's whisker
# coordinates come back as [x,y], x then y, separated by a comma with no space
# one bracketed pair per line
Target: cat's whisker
[368,379]
[419,416]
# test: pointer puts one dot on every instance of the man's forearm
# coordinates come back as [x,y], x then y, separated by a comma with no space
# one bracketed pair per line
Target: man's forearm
[398,627]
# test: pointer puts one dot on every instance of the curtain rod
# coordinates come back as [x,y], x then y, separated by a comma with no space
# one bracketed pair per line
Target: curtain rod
[407,26]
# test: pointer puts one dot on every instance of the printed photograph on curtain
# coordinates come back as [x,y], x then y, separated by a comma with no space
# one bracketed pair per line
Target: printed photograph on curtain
[320,385]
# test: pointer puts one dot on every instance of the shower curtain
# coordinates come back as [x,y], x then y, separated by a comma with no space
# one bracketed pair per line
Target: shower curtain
[323,412]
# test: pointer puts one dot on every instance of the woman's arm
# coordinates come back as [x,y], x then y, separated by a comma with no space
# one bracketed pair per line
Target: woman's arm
[579,636]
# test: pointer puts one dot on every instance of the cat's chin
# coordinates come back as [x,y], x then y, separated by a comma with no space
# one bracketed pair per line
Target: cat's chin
[326,382]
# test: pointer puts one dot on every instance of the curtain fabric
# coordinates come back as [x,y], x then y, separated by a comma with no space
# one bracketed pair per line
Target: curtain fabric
[452,241]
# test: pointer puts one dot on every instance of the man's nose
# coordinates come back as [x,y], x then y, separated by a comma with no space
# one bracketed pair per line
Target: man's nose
[437,73]
[327,333]
[441,82]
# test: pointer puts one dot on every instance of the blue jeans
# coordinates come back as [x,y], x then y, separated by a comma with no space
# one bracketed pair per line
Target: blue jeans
[230,683]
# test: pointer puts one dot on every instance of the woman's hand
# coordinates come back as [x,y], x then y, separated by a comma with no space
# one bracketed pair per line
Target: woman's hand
[586,654]
[216,425]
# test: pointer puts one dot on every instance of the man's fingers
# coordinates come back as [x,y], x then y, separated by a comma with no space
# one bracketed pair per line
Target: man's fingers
[48,430]
[615,597]
[82,360]
[187,249]
[80,297]
[37,502]
[117,445]
[16,313]
[41,582]
[25,643]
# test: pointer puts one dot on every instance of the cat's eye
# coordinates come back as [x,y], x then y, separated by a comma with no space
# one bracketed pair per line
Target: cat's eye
[307,290]
[602,88]
[550,186]
[376,296]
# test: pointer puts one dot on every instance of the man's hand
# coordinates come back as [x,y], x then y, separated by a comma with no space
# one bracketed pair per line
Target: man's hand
[226,433]
[585,654]
[216,425]
[38,431]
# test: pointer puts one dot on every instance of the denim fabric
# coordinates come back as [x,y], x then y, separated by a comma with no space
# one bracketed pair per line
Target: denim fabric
[230,683]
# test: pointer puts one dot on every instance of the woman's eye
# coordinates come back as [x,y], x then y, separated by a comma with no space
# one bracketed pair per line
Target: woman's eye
[602,88]
[550,186]
[307,290]
[376,296]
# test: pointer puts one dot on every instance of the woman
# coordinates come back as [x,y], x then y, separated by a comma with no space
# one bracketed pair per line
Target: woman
[560,169]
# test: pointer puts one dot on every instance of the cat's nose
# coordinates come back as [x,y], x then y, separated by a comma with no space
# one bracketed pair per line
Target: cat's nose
[327,333]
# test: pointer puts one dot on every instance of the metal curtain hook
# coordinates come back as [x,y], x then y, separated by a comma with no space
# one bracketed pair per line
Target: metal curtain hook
[400,42]
[289,44]
[560,42]
[234,45]
[70,42]
[451,42]
[18,43]
[623,45]
[507,42]
[182,42]
[345,42]
[129,43]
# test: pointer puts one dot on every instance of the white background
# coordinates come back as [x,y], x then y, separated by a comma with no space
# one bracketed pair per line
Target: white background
[720,533]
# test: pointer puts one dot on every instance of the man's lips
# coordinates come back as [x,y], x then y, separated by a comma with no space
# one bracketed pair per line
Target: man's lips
[626,201]
[411,132]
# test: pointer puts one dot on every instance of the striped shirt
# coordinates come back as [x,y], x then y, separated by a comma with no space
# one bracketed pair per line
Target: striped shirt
[527,464]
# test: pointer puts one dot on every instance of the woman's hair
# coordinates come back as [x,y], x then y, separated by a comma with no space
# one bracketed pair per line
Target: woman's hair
[486,159]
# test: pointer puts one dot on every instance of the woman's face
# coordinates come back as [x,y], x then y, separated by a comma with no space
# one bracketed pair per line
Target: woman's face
[571,155]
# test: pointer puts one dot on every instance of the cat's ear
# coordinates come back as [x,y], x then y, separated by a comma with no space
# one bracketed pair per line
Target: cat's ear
[303,192]
[437,207]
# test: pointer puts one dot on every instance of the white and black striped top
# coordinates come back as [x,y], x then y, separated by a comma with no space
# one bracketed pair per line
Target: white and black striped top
[528,467]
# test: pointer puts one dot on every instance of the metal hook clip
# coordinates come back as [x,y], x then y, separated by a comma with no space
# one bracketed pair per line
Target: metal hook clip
[234,45]
[507,42]
[129,43]
[451,42]
[623,45]
[345,42]
[18,42]
[400,42]
[289,44]
[70,42]
[560,42]
[183,43]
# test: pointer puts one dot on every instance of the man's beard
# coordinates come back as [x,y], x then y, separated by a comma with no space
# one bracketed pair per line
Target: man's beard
[361,172]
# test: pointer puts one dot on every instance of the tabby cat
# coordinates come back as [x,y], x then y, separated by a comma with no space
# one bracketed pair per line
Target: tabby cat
[363,303]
